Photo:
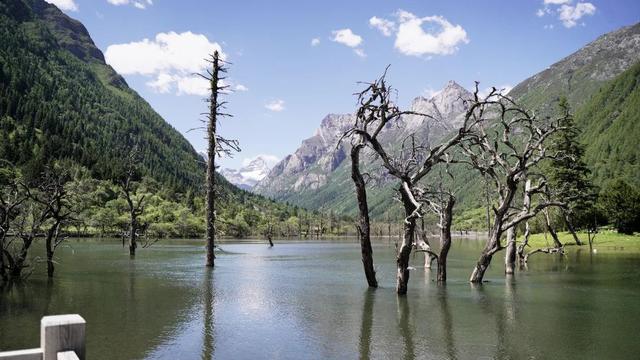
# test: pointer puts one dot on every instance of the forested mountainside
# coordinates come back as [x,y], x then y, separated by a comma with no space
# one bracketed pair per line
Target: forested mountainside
[610,123]
[304,178]
[60,101]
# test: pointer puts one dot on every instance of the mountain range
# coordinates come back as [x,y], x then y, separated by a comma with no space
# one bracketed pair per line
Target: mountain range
[248,175]
[316,175]
[60,100]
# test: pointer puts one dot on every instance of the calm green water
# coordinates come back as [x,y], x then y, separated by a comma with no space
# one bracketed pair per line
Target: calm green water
[309,301]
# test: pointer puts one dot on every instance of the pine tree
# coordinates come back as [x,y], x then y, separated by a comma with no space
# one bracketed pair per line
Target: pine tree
[569,174]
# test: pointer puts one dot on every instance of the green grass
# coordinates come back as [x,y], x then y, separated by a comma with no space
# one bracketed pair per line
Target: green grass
[605,240]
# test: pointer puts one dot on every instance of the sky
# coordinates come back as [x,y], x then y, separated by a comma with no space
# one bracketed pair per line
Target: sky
[294,62]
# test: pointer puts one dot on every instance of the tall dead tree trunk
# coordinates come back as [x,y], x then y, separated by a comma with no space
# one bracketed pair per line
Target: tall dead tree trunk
[51,239]
[412,213]
[211,158]
[510,253]
[446,218]
[363,226]
[216,145]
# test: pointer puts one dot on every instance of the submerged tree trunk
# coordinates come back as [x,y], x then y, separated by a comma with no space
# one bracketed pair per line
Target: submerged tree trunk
[133,228]
[572,230]
[363,226]
[552,231]
[510,254]
[525,243]
[403,257]
[492,246]
[3,270]
[269,237]
[446,218]
[15,266]
[211,159]
[404,254]
[51,240]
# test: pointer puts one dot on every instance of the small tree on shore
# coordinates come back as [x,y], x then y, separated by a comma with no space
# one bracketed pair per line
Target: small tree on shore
[569,175]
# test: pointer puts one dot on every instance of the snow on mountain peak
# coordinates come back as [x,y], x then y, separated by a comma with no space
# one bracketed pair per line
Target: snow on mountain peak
[252,171]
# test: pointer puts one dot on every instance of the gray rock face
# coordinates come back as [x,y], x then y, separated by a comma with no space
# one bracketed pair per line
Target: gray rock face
[309,165]
[314,164]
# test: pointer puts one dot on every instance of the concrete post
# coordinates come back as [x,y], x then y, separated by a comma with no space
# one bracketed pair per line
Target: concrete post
[61,333]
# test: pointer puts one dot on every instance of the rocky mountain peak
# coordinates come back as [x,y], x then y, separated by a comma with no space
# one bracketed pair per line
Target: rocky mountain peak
[250,174]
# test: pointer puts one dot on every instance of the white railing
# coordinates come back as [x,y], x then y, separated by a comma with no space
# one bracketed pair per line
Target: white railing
[61,338]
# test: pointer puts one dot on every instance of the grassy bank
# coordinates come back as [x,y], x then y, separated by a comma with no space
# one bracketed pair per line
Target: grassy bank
[605,240]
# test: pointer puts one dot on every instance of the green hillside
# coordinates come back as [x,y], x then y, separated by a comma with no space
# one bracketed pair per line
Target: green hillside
[59,100]
[610,123]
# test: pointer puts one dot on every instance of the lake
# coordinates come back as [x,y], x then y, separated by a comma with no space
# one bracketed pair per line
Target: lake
[309,300]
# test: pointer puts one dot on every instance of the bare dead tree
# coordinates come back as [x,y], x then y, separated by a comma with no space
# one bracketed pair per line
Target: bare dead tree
[12,199]
[269,230]
[377,111]
[441,201]
[27,225]
[217,145]
[505,146]
[53,195]
[363,225]
[129,185]
[558,247]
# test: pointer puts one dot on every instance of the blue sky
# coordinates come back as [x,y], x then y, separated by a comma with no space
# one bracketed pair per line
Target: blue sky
[286,81]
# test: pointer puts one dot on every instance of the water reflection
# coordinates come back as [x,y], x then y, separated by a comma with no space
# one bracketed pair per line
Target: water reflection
[406,328]
[309,301]
[208,342]
[366,325]
[447,322]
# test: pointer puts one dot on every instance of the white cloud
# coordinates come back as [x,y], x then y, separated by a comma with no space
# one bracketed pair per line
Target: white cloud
[170,59]
[140,4]
[240,87]
[548,27]
[275,105]
[315,42]
[270,160]
[162,84]
[64,5]
[360,53]
[347,37]
[569,15]
[442,39]
[386,27]
[192,85]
